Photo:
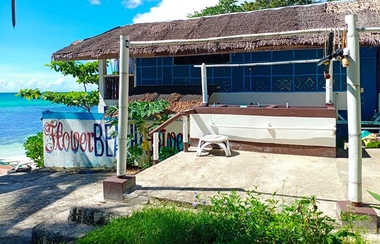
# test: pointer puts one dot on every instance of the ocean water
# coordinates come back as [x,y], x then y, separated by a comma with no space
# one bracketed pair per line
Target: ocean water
[20,118]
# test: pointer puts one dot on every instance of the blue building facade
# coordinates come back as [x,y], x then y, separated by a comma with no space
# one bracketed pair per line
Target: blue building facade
[290,78]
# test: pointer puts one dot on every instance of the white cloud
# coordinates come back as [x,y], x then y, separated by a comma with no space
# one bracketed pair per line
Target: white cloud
[174,9]
[131,3]
[61,84]
[95,2]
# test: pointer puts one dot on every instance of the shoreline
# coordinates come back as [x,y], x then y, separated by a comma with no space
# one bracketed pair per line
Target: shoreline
[15,159]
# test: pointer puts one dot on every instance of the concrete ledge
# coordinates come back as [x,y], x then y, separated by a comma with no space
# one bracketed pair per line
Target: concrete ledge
[59,230]
[369,224]
[114,187]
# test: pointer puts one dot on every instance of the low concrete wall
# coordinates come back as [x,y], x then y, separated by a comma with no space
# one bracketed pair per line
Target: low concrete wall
[275,128]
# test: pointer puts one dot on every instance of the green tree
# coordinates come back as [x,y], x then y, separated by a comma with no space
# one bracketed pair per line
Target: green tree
[142,114]
[223,7]
[264,4]
[85,73]
[230,6]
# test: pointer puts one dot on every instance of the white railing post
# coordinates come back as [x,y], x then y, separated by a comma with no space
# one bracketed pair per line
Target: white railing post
[156,151]
[185,130]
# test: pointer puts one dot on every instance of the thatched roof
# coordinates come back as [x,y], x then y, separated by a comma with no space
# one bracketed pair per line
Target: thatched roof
[327,15]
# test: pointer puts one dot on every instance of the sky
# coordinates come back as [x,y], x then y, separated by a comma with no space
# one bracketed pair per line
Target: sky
[46,26]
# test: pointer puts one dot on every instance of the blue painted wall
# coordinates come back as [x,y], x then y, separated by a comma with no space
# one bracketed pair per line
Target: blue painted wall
[276,78]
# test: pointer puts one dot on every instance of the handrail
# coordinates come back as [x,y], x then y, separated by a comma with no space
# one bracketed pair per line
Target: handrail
[171,120]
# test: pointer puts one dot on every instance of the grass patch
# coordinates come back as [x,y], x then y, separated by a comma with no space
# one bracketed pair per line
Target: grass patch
[226,219]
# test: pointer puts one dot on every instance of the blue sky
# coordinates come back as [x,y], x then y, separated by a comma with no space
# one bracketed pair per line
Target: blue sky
[44,27]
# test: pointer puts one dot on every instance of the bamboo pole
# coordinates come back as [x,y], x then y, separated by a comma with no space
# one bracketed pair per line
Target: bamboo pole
[244,37]
[123,107]
[354,114]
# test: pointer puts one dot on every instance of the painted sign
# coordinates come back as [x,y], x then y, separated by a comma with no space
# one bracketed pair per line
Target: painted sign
[84,140]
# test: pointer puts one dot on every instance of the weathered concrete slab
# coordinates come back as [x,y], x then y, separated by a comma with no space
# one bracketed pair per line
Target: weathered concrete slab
[28,199]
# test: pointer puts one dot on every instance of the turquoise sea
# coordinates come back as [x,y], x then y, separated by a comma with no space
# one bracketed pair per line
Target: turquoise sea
[20,118]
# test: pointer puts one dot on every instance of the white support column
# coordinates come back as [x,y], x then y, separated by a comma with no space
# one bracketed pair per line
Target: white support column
[204,84]
[156,152]
[185,132]
[123,107]
[354,113]
[329,84]
[102,71]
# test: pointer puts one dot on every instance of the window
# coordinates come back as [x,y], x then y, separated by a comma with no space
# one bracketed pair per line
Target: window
[199,59]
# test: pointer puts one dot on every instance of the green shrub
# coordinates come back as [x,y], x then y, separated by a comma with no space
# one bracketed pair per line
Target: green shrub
[167,152]
[34,149]
[134,155]
[152,225]
[226,219]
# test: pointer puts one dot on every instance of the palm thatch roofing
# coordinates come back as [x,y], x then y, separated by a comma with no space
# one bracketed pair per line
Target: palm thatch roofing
[327,15]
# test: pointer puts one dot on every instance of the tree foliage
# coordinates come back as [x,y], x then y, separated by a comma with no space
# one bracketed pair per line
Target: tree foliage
[231,6]
[223,7]
[142,114]
[34,149]
[85,73]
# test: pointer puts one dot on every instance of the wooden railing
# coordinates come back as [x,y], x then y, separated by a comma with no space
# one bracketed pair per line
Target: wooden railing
[157,130]
[171,120]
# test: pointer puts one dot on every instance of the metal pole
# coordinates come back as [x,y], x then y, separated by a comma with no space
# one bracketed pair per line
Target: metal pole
[102,71]
[261,64]
[231,38]
[329,84]
[245,36]
[204,84]
[123,107]
[354,113]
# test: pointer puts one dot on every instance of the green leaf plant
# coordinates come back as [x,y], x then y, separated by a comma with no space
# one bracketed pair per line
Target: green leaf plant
[376,196]
[142,114]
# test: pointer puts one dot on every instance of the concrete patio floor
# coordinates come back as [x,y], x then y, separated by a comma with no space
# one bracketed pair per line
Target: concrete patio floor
[45,198]
[289,176]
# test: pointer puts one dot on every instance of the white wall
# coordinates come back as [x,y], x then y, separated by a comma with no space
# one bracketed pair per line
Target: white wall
[83,140]
[285,130]
[77,140]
